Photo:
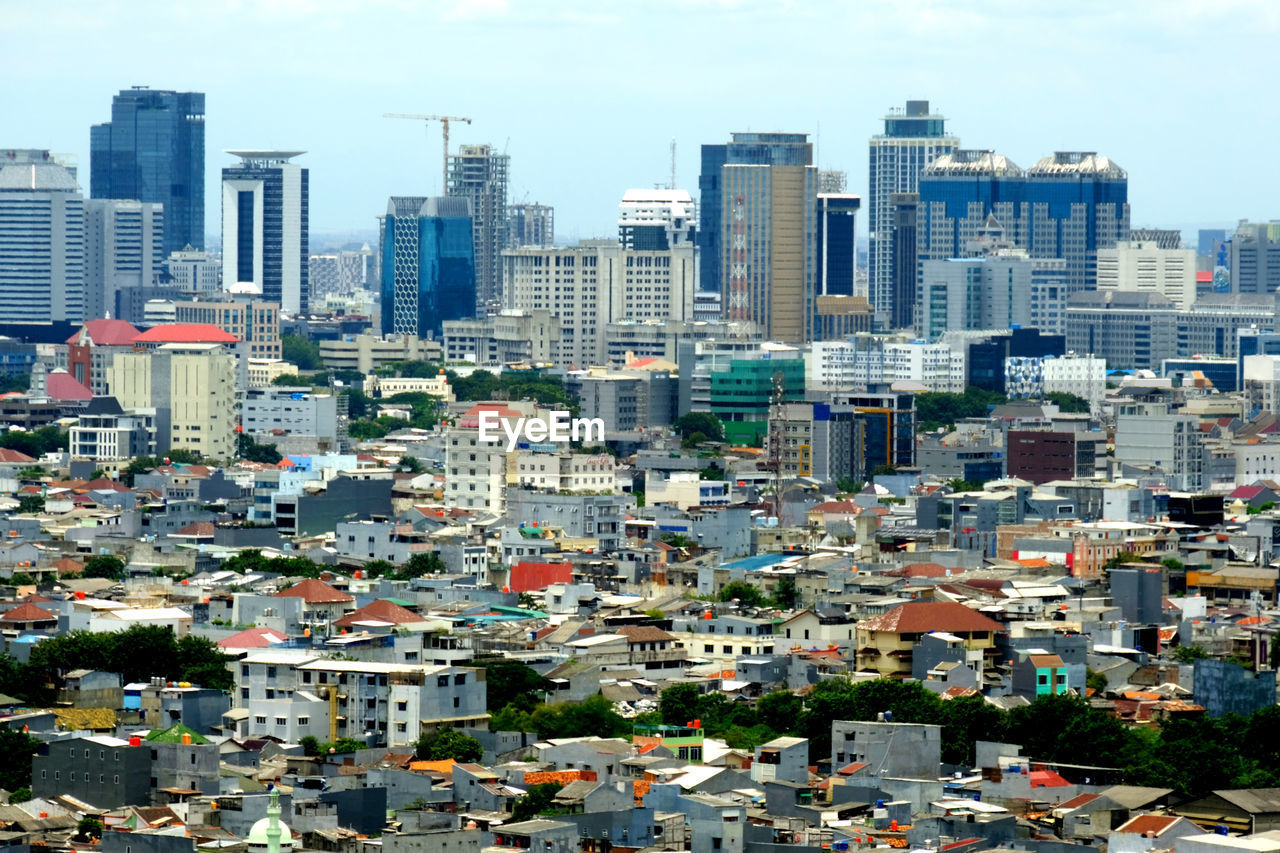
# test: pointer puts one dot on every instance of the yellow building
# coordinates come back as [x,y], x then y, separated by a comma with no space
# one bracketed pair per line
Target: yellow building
[886,642]
[192,389]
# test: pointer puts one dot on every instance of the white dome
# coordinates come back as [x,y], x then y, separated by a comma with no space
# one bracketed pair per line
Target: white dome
[257,836]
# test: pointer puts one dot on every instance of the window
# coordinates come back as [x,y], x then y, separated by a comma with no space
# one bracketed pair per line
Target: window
[304,721]
[260,720]
[457,703]
[280,721]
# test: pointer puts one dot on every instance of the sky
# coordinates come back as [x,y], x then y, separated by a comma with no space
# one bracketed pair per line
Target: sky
[587,96]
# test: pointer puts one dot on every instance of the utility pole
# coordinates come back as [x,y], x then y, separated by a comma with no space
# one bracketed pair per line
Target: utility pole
[444,125]
[776,439]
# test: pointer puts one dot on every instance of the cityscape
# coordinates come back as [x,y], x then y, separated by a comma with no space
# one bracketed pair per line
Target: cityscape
[705,427]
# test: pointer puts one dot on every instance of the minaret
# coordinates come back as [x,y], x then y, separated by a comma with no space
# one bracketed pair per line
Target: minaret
[273,822]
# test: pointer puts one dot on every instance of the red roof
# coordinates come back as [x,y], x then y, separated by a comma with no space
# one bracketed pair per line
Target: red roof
[1247,493]
[196,528]
[28,613]
[471,419]
[1047,779]
[186,333]
[1204,275]
[314,591]
[379,611]
[1077,802]
[61,385]
[253,638]
[837,508]
[923,570]
[921,617]
[8,454]
[1154,824]
[107,333]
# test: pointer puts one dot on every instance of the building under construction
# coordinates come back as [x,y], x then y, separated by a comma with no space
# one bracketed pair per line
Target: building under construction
[479,174]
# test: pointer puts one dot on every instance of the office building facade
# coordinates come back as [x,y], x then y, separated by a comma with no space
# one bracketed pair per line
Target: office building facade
[656,219]
[123,248]
[912,139]
[478,174]
[428,264]
[1147,266]
[837,252]
[265,225]
[42,251]
[530,225]
[152,151]
[1255,258]
[901,241]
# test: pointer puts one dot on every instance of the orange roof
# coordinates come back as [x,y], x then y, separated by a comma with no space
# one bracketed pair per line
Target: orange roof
[1047,779]
[921,617]
[186,333]
[1034,563]
[445,767]
[314,591]
[28,613]
[8,454]
[379,611]
[1149,823]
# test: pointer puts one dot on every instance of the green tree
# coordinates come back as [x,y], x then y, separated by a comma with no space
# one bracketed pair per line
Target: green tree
[1122,558]
[1095,680]
[200,661]
[538,800]
[509,683]
[89,828]
[511,719]
[15,382]
[16,749]
[842,699]
[310,745]
[780,710]
[31,504]
[1188,654]
[700,422]
[958,484]
[252,451]
[786,595]
[373,430]
[848,486]
[424,563]
[35,443]
[1068,404]
[104,566]
[444,744]
[748,595]
[301,351]
[966,720]
[936,409]
[411,464]
[678,704]
[343,746]
[1065,727]
[21,795]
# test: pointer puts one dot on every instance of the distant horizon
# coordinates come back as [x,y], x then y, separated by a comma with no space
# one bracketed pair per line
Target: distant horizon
[587,98]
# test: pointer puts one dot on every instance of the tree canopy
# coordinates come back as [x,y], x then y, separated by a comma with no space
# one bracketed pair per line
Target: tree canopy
[301,351]
[137,654]
[936,409]
[444,744]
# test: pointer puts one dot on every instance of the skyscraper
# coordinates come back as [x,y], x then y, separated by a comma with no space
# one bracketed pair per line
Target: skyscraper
[530,225]
[902,258]
[768,233]
[1255,258]
[428,264]
[656,220]
[152,151]
[479,174]
[265,228]
[837,242]
[912,139]
[709,216]
[122,250]
[959,194]
[41,239]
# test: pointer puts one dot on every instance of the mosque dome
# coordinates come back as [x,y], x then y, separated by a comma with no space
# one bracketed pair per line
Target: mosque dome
[257,836]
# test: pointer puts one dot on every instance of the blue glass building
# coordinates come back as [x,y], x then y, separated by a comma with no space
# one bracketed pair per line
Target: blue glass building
[709,212]
[152,151]
[428,265]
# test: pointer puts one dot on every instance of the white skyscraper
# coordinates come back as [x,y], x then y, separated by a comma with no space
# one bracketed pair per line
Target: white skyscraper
[912,139]
[265,228]
[41,238]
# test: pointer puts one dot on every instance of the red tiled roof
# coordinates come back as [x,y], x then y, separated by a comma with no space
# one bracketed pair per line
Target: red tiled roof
[60,385]
[186,333]
[471,418]
[922,570]
[379,611]
[921,617]
[196,528]
[837,508]
[67,565]
[1047,779]
[8,454]
[28,613]
[1077,802]
[1247,493]
[108,333]
[252,638]
[314,591]
[1149,823]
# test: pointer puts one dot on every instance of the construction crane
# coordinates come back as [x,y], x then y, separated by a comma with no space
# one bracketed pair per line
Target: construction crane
[444,123]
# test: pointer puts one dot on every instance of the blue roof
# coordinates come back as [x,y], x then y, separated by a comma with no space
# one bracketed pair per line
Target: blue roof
[759,561]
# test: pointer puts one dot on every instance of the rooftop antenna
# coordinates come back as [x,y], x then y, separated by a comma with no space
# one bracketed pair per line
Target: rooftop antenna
[673,164]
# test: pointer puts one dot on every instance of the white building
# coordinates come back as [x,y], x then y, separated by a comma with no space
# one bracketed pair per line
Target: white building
[1148,434]
[991,292]
[341,273]
[387,386]
[266,414]
[41,239]
[123,248]
[476,472]
[105,433]
[866,360]
[1144,267]
[656,219]
[551,468]
[1083,376]
[193,271]
[596,283]
[268,195]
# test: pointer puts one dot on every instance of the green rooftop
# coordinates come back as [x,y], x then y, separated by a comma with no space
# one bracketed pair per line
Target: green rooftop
[174,734]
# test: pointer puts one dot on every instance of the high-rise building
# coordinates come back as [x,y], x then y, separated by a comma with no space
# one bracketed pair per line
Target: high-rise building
[152,151]
[596,283]
[123,249]
[656,219]
[342,273]
[912,139]
[193,271]
[191,387]
[530,225]
[960,193]
[709,215]
[1078,203]
[428,264]
[902,258]
[41,239]
[1143,266]
[265,228]
[1255,258]
[837,243]
[975,293]
[479,174]
[768,233]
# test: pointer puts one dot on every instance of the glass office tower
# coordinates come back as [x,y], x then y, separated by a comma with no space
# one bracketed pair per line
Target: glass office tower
[152,151]
[428,265]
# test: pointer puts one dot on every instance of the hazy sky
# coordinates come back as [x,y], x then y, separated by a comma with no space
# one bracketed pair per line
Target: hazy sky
[586,96]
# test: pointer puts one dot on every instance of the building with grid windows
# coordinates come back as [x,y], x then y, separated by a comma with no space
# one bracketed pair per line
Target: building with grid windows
[428,265]
[265,228]
[478,174]
[152,151]
[41,238]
